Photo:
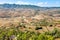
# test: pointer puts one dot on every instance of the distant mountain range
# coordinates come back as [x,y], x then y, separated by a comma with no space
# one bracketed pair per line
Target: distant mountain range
[24,6]
[18,6]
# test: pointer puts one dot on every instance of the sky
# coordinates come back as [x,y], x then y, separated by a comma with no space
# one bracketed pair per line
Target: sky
[42,3]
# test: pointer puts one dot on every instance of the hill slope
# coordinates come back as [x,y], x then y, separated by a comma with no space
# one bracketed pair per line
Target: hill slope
[16,10]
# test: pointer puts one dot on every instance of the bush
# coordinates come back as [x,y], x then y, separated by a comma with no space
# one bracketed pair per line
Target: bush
[37,28]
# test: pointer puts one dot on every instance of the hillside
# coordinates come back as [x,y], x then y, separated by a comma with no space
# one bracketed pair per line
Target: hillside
[15,10]
[22,22]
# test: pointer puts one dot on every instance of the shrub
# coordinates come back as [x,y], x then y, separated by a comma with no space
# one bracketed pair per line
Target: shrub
[37,28]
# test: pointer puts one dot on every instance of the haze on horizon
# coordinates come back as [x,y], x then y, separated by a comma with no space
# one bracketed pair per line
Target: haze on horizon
[42,3]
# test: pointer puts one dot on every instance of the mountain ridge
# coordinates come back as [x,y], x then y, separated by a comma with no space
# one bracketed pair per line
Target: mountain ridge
[24,6]
[18,6]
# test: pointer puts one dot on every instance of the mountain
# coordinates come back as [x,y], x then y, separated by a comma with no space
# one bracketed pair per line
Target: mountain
[18,6]
[26,6]
[16,10]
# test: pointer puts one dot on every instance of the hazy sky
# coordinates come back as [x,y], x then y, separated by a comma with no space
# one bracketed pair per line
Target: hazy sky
[43,3]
